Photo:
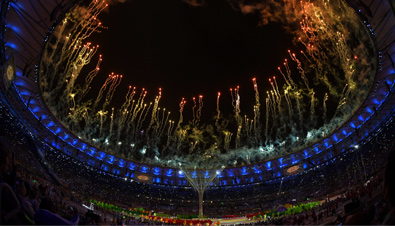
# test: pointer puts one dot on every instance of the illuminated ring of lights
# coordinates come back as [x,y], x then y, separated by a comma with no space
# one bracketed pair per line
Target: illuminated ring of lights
[86,49]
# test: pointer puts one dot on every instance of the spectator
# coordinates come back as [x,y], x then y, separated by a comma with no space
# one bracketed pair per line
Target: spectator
[389,189]
[33,199]
[360,218]
[8,171]
[47,214]
[26,206]
[4,158]
[9,206]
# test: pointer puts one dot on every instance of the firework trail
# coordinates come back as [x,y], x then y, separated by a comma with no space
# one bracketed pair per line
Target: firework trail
[138,106]
[169,137]
[124,112]
[236,105]
[288,100]
[140,121]
[164,122]
[325,110]
[300,68]
[247,126]
[193,111]
[228,138]
[112,122]
[257,113]
[108,81]
[218,111]
[116,80]
[88,80]
[155,110]
[312,108]
[102,118]
[83,58]
[199,110]
[182,104]
[238,134]
[300,113]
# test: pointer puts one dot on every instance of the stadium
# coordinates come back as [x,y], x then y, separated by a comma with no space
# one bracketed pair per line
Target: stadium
[137,165]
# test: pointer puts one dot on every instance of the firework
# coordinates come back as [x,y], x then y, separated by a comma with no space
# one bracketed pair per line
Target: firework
[296,105]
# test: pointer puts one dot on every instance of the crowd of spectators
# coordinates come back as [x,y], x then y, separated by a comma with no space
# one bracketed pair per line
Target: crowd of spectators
[28,198]
[52,188]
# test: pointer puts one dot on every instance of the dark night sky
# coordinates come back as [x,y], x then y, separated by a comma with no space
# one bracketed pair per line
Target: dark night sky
[189,51]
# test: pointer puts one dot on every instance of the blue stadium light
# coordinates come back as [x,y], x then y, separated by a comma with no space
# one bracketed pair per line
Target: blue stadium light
[168,173]
[257,171]
[268,165]
[17,5]
[144,169]
[90,152]
[180,173]
[244,171]
[14,28]
[12,45]
[110,159]
[132,166]
[294,161]
[280,160]
[156,171]
[101,155]
[326,144]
